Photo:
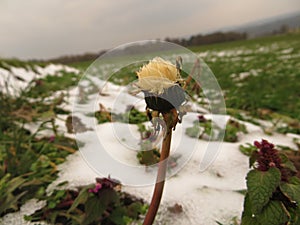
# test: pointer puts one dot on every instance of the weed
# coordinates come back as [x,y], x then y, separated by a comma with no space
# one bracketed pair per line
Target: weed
[202,129]
[99,203]
[273,190]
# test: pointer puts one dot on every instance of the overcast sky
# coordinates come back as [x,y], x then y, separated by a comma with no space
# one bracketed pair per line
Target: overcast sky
[50,28]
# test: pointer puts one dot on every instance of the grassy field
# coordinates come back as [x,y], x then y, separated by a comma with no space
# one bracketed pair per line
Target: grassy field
[258,74]
[255,75]
[259,77]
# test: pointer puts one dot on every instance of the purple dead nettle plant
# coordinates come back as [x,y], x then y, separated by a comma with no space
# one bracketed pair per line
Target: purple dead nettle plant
[161,83]
[104,183]
[273,189]
[268,157]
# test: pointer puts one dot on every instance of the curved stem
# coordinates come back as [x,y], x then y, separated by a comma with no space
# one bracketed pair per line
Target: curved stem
[160,180]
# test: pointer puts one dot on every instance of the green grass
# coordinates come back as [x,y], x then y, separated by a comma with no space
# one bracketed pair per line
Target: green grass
[125,75]
[47,86]
[29,159]
[286,38]
[81,65]
[271,82]
[28,163]
[272,66]
[7,63]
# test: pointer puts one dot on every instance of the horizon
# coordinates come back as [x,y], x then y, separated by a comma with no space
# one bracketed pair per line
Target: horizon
[44,31]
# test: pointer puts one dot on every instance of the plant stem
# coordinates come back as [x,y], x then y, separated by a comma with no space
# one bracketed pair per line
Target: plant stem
[160,180]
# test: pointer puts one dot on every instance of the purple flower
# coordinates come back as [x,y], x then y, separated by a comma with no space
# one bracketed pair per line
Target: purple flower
[107,182]
[269,157]
[104,183]
[201,119]
[95,190]
[51,138]
[38,82]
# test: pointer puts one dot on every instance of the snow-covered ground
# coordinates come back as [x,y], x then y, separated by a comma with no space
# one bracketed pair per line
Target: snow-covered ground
[206,197]
[18,78]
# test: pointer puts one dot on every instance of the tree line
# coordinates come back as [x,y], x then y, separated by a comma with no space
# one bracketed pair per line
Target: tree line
[212,38]
[194,40]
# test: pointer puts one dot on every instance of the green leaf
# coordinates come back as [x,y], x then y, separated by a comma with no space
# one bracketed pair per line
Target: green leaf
[247,149]
[261,185]
[3,183]
[247,216]
[295,216]
[51,205]
[292,189]
[287,163]
[253,158]
[62,183]
[193,132]
[117,216]
[33,182]
[59,194]
[108,196]
[294,180]
[274,213]
[10,202]
[148,158]
[7,198]
[15,183]
[134,209]
[94,210]
[96,205]
[81,198]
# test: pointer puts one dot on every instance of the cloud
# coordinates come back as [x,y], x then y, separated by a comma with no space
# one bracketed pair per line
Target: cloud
[43,29]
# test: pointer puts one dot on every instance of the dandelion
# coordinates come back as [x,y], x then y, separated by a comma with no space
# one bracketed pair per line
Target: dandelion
[161,83]
[157,76]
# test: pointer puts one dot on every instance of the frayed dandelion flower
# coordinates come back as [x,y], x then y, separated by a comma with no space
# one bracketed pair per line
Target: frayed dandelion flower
[157,75]
[159,80]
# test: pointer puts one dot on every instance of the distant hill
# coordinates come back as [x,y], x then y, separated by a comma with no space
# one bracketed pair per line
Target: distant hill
[67,59]
[279,24]
[266,27]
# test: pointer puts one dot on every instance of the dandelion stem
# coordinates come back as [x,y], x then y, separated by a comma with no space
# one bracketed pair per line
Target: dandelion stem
[161,174]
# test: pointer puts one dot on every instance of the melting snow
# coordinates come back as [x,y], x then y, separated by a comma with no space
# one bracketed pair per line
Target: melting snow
[206,197]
